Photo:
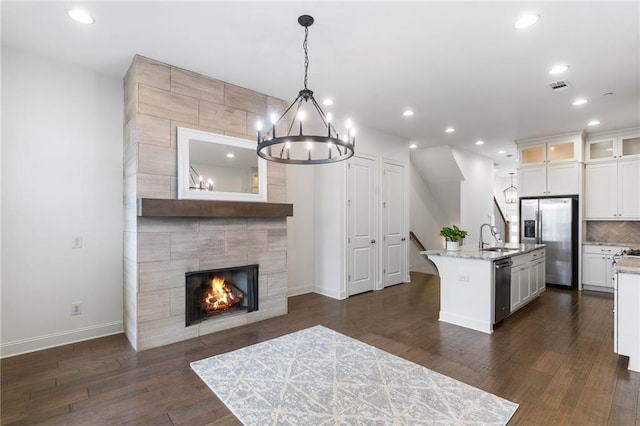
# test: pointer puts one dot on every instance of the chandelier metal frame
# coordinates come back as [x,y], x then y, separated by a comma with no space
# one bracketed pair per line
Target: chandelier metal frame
[329,148]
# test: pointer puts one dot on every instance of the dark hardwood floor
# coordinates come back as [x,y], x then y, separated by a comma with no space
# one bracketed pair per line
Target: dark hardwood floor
[555,358]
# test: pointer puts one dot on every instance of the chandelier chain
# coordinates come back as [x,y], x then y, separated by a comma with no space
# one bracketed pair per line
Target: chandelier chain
[306,55]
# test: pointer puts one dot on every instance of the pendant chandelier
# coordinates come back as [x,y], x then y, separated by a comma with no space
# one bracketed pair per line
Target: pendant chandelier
[297,147]
[511,193]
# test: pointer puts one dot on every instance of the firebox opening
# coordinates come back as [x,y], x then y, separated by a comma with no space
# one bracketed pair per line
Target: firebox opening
[216,292]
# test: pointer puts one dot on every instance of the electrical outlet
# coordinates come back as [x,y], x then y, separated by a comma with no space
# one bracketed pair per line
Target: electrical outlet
[463,278]
[76,308]
[76,242]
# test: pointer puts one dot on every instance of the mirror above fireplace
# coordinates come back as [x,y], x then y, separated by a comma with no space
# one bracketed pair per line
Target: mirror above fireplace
[219,167]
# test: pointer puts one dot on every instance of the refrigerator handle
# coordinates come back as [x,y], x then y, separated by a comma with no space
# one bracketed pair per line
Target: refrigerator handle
[539,234]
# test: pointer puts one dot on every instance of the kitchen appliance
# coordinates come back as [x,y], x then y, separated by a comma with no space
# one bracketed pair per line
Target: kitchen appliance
[553,221]
[502,283]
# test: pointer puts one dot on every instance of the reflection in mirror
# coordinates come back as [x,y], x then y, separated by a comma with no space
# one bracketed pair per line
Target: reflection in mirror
[218,167]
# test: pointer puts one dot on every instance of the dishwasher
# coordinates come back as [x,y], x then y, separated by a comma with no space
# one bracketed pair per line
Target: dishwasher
[502,286]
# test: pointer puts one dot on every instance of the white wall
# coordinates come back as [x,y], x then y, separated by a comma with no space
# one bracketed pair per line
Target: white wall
[426,218]
[61,177]
[300,230]
[457,190]
[476,193]
[316,255]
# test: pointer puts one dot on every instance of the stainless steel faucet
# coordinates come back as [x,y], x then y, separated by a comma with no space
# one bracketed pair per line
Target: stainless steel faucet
[481,243]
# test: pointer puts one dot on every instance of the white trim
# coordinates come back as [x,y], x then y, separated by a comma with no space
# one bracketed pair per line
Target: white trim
[46,341]
[298,290]
[329,293]
[467,322]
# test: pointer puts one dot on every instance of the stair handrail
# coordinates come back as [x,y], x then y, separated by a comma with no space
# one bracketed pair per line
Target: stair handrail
[417,241]
[505,237]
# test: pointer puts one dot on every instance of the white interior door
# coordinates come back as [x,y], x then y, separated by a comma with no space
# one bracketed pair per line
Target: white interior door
[361,203]
[393,226]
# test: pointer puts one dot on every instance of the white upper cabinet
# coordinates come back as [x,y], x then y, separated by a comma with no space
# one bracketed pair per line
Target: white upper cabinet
[550,166]
[613,146]
[557,149]
[612,191]
[552,180]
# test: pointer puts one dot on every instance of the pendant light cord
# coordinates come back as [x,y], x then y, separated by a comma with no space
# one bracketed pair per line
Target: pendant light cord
[306,55]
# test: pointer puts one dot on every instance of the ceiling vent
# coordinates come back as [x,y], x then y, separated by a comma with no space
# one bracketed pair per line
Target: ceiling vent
[559,85]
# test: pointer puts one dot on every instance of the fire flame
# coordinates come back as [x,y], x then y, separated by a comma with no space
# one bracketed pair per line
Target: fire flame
[219,296]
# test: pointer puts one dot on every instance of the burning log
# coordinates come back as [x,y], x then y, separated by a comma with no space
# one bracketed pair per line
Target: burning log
[220,296]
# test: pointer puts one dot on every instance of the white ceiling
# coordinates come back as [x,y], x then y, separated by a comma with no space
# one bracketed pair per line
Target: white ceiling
[455,64]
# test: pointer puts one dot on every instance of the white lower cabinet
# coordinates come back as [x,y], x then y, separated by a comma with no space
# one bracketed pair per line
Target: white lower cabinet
[527,278]
[596,266]
[627,319]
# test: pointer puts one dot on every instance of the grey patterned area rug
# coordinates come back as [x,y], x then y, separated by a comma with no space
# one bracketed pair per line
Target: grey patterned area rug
[317,376]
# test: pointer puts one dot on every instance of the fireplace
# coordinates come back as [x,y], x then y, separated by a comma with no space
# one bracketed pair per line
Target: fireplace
[217,292]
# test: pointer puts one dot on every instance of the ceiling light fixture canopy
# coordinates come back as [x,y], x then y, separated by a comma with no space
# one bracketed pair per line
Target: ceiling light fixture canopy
[301,148]
[511,193]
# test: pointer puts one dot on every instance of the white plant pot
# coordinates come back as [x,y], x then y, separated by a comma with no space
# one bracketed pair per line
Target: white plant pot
[453,245]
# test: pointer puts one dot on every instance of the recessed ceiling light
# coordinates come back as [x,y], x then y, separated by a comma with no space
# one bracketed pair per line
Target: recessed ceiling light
[501,152]
[231,155]
[526,21]
[81,16]
[579,101]
[593,123]
[413,146]
[327,102]
[557,69]
[450,130]
[480,143]
[408,113]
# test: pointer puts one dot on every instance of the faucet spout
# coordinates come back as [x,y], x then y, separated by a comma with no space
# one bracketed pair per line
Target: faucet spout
[481,243]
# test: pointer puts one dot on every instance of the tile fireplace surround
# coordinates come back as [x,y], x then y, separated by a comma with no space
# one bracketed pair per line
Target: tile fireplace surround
[160,248]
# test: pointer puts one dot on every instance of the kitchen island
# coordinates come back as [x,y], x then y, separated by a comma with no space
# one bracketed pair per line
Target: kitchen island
[627,310]
[467,282]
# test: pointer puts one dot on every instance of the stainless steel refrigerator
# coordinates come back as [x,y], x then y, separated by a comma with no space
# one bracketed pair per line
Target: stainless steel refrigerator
[554,222]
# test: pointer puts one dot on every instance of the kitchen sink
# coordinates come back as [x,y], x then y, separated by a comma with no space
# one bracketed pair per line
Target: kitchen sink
[498,249]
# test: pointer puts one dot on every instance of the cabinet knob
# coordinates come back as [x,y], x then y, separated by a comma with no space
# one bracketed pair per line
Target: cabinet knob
[373,241]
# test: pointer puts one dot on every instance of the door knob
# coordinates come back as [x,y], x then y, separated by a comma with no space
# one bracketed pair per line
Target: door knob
[373,241]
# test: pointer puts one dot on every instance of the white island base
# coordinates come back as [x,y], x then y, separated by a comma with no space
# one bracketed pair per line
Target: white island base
[466,292]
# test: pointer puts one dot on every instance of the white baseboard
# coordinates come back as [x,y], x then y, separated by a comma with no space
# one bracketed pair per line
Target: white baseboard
[467,322]
[38,343]
[329,293]
[303,289]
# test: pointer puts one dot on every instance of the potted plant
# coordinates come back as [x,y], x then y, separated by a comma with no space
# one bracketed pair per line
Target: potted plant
[452,237]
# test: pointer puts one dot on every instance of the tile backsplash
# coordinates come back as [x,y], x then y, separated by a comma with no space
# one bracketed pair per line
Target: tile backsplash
[613,232]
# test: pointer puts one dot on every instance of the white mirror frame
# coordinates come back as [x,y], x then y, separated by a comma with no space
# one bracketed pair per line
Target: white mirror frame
[184,137]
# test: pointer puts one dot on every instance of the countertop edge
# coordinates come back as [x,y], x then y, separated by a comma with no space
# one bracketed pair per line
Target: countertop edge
[476,254]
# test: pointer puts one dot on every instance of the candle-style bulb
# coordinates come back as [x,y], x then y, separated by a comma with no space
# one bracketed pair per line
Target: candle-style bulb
[309,146]
[329,118]
[348,124]
[274,119]
[300,118]
[259,125]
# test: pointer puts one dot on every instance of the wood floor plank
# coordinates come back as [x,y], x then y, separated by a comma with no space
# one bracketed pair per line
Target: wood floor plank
[554,357]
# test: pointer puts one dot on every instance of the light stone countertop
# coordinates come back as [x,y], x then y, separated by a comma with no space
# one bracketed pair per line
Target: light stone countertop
[628,265]
[473,252]
[600,243]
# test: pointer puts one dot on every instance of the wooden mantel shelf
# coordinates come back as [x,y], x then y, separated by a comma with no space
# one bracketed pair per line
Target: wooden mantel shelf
[152,207]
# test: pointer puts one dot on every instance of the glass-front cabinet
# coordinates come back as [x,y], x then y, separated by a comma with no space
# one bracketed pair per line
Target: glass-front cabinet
[612,147]
[533,155]
[549,152]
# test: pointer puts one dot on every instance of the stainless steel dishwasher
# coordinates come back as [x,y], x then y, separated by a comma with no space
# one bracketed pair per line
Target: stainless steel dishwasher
[502,285]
